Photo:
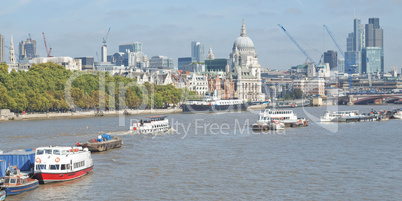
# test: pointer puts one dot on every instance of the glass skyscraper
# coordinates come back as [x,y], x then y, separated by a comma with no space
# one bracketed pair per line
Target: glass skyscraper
[197,52]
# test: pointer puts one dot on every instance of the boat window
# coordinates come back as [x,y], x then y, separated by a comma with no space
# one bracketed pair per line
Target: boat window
[48,151]
[63,167]
[56,152]
[39,152]
[63,152]
[18,180]
[54,167]
[12,181]
[7,180]
[41,167]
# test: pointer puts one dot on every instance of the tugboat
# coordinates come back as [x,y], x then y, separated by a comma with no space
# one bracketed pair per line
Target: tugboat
[212,103]
[16,183]
[54,163]
[104,142]
[151,125]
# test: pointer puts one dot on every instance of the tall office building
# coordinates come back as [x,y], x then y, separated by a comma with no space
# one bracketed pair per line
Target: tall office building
[331,57]
[133,47]
[197,52]
[27,49]
[1,48]
[373,52]
[182,61]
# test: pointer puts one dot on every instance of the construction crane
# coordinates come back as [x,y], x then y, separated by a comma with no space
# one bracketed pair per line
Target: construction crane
[348,66]
[97,56]
[47,51]
[297,44]
[317,67]
[105,38]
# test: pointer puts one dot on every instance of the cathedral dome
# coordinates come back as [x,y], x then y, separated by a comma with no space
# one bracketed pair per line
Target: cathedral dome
[243,42]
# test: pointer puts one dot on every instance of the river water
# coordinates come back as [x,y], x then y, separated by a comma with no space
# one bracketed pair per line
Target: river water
[217,157]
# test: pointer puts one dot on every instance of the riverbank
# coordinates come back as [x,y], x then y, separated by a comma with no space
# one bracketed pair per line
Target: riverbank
[52,115]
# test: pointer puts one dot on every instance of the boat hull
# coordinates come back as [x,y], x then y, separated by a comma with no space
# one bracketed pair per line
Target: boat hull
[22,188]
[103,146]
[213,108]
[65,176]
[2,195]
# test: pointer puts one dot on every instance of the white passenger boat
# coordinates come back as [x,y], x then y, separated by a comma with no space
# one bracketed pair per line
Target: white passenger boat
[54,163]
[345,116]
[287,117]
[151,125]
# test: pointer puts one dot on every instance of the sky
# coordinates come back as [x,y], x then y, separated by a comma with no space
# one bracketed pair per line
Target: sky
[75,28]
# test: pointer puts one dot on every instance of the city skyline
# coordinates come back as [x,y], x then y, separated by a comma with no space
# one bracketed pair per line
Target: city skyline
[169,27]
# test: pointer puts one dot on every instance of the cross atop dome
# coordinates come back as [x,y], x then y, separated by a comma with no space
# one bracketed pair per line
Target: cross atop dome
[243,30]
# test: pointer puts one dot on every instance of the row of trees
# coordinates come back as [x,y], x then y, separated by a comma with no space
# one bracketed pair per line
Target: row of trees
[43,88]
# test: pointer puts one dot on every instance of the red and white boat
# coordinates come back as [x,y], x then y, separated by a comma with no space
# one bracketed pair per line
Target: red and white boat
[54,163]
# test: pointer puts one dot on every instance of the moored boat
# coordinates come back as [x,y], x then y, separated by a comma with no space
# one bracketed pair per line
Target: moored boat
[397,114]
[16,183]
[104,142]
[212,103]
[151,125]
[61,163]
[345,116]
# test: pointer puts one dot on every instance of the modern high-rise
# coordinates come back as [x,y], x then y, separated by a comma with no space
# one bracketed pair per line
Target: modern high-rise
[27,49]
[133,47]
[183,61]
[331,57]
[373,52]
[197,52]
[1,48]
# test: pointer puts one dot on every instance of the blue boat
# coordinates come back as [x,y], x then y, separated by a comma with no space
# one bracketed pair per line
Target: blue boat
[15,183]
[2,195]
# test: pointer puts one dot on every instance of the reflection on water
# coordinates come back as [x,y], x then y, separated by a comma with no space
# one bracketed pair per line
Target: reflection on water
[203,162]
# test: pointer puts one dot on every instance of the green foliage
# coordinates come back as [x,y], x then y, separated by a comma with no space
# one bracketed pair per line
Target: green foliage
[42,89]
[295,94]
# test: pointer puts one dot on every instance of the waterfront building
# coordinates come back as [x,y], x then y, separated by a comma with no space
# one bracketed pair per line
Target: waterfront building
[331,57]
[197,52]
[1,48]
[161,62]
[244,68]
[310,86]
[132,47]
[27,49]
[198,83]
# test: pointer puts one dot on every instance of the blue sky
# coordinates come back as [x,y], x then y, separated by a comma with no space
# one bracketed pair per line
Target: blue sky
[76,28]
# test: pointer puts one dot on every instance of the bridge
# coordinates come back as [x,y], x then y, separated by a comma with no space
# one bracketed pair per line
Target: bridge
[372,98]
